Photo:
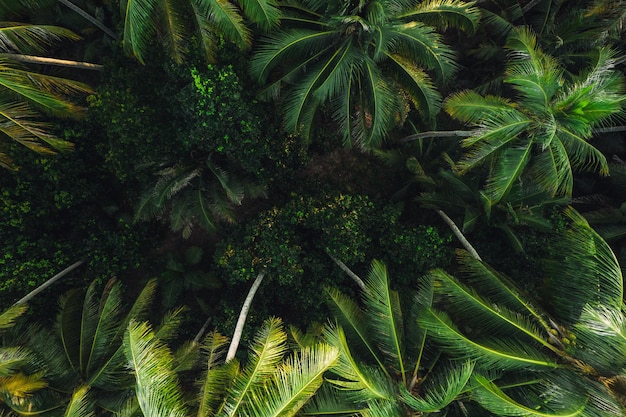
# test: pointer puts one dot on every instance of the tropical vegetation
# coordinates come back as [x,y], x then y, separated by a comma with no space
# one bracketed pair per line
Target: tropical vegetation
[397,207]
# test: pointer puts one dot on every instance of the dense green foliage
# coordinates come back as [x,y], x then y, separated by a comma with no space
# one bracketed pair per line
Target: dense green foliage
[288,143]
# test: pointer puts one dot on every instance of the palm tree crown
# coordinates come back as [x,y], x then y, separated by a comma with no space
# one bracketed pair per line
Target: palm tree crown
[366,58]
[545,131]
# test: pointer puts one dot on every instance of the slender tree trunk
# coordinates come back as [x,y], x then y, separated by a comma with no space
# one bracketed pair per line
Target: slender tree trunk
[437,134]
[234,343]
[89,18]
[202,330]
[348,271]
[49,282]
[31,59]
[457,232]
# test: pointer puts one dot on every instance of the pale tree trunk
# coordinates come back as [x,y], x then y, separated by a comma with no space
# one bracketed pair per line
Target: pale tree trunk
[348,271]
[89,18]
[31,59]
[234,343]
[457,232]
[49,282]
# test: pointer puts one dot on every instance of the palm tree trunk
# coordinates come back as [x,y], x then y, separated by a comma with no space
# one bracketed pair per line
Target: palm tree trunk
[89,17]
[234,343]
[49,282]
[437,134]
[457,232]
[348,271]
[31,59]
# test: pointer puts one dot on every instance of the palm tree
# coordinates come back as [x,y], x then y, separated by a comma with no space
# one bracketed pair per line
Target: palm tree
[26,95]
[177,22]
[269,384]
[195,194]
[83,351]
[565,359]
[367,59]
[544,132]
[387,364]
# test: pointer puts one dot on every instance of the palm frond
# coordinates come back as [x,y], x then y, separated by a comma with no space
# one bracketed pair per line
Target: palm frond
[490,396]
[385,317]
[418,42]
[470,107]
[439,392]
[495,319]
[506,171]
[553,171]
[175,27]
[225,19]
[11,359]
[266,352]
[418,85]
[498,288]
[27,38]
[354,324]
[140,25]
[328,402]
[286,46]
[8,317]
[505,354]
[80,404]
[446,13]
[362,382]
[601,335]
[264,13]
[294,383]
[19,386]
[587,273]
[157,389]
[213,382]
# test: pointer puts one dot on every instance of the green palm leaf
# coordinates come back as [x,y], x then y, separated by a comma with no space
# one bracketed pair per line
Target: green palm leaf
[422,44]
[139,25]
[225,18]
[601,333]
[214,380]
[470,107]
[326,402]
[494,318]
[497,287]
[354,323]
[262,12]
[378,104]
[266,352]
[498,354]
[507,170]
[175,27]
[157,390]
[495,400]
[440,392]
[363,383]
[446,13]
[418,85]
[294,383]
[28,38]
[80,404]
[8,317]
[385,317]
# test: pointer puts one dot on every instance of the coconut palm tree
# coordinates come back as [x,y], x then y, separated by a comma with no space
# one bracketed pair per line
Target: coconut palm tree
[386,363]
[27,95]
[543,133]
[268,384]
[367,59]
[566,358]
[195,194]
[83,351]
[176,22]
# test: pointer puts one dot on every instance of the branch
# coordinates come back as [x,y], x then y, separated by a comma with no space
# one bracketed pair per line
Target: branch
[234,343]
[202,330]
[457,232]
[31,59]
[90,18]
[601,130]
[437,134]
[49,282]
[348,271]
